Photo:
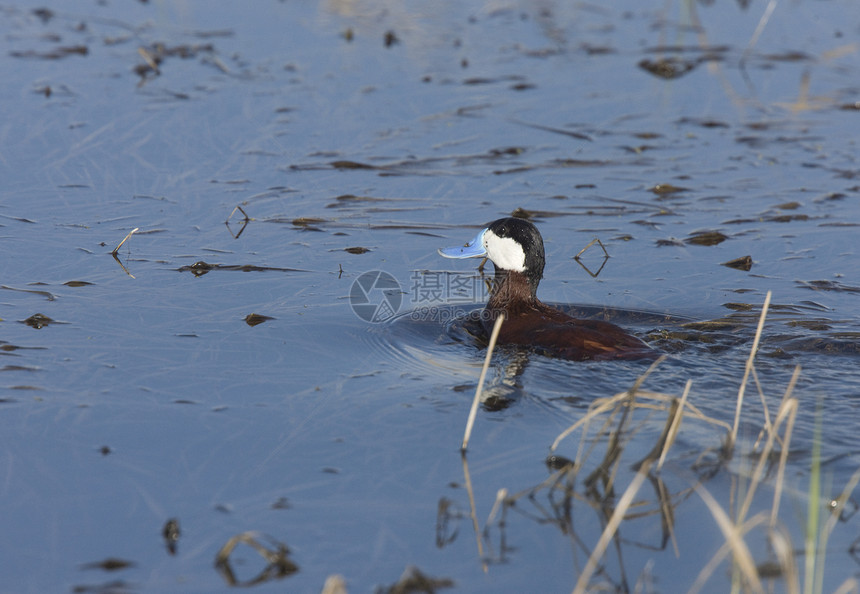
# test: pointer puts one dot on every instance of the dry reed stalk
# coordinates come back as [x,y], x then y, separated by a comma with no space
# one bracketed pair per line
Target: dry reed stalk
[787,411]
[501,496]
[762,23]
[791,405]
[130,233]
[591,243]
[780,543]
[474,410]
[721,554]
[747,370]
[849,585]
[734,542]
[675,427]
[606,405]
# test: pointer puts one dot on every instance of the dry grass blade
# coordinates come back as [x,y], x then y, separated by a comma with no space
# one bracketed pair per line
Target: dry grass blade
[611,528]
[787,411]
[734,539]
[602,406]
[501,496]
[839,503]
[474,410]
[149,59]
[762,23]
[790,405]
[721,554]
[849,585]
[240,209]
[130,233]
[676,425]
[780,544]
[747,370]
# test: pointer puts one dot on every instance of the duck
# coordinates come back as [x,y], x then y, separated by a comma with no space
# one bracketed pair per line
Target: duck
[515,247]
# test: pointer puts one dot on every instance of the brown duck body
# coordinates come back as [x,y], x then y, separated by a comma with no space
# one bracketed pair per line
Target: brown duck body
[530,322]
[515,247]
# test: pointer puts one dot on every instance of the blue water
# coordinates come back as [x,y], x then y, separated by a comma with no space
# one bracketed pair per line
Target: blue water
[151,398]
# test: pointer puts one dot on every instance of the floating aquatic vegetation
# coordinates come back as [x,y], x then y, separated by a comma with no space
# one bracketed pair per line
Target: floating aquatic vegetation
[274,553]
[743,263]
[254,319]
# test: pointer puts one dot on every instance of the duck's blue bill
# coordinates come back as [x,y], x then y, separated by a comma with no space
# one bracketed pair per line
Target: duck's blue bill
[472,249]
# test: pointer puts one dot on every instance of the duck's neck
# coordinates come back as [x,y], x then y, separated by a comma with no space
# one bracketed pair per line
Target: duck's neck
[512,291]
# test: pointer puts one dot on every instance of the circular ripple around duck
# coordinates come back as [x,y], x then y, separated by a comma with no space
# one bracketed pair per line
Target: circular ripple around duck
[428,343]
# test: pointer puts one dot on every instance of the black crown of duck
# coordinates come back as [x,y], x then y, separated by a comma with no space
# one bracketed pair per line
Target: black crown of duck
[515,248]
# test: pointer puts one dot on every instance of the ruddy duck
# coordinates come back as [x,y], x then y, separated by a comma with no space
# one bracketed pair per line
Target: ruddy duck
[516,249]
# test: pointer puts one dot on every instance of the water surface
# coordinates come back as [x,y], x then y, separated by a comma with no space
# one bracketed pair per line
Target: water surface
[362,137]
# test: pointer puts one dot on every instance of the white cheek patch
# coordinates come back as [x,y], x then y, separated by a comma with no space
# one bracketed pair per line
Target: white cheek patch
[505,253]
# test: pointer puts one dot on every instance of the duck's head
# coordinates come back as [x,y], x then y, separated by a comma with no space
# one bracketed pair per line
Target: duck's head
[513,245]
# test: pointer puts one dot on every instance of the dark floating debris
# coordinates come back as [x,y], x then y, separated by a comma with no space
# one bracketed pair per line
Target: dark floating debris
[706,238]
[77,283]
[278,565]
[38,321]
[666,189]
[308,223]
[171,534]
[46,294]
[18,368]
[200,268]
[786,218]
[282,503]
[390,38]
[744,263]
[480,80]
[668,68]
[345,201]
[562,131]
[414,580]
[703,122]
[827,285]
[357,250]
[154,55]
[109,564]
[254,319]
[44,14]
[346,164]
[789,56]
[555,462]
[55,54]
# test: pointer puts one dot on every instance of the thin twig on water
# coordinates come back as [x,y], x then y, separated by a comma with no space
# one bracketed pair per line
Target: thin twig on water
[130,233]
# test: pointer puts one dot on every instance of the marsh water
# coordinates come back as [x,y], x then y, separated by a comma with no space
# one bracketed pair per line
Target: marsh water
[292,374]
